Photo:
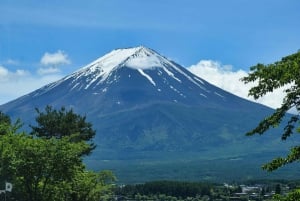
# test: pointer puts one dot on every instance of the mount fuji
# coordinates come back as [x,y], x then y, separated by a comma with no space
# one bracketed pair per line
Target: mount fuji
[151,114]
[126,79]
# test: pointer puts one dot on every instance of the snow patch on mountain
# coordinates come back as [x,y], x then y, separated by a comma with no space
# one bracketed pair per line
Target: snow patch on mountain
[111,60]
[171,74]
[143,60]
[102,67]
[147,76]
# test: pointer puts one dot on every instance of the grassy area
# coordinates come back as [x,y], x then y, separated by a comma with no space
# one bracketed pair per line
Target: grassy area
[186,169]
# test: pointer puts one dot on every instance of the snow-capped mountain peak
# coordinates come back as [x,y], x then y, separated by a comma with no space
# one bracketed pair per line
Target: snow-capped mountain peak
[139,58]
[140,71]
[136,57]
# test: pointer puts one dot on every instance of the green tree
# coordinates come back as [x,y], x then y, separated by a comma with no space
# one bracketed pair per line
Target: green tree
[90,185]
[43,169]
[285,72]
[292,196]
[4,119]
[271,77]
[34,164]
[6,124]
[60,123]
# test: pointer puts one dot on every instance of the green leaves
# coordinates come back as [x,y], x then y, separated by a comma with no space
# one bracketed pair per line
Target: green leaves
[270,77]
[273,76]
[92,186]
[6,125]
[37,163]
[292,196]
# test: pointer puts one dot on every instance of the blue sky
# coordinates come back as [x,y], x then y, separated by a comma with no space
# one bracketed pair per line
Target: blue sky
[224,36]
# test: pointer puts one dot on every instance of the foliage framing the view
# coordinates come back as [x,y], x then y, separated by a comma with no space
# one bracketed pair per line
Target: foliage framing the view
[270,77]
[48,168]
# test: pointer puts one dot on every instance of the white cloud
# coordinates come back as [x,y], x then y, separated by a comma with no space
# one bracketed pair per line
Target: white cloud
[21,72]
[51,70]
[3,73]
[55,59]
[6,75]
[52,61]
[224,77]
[14,84]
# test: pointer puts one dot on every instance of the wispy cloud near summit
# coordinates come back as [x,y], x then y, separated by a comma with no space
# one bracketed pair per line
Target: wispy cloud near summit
[52,62]
[54,59]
